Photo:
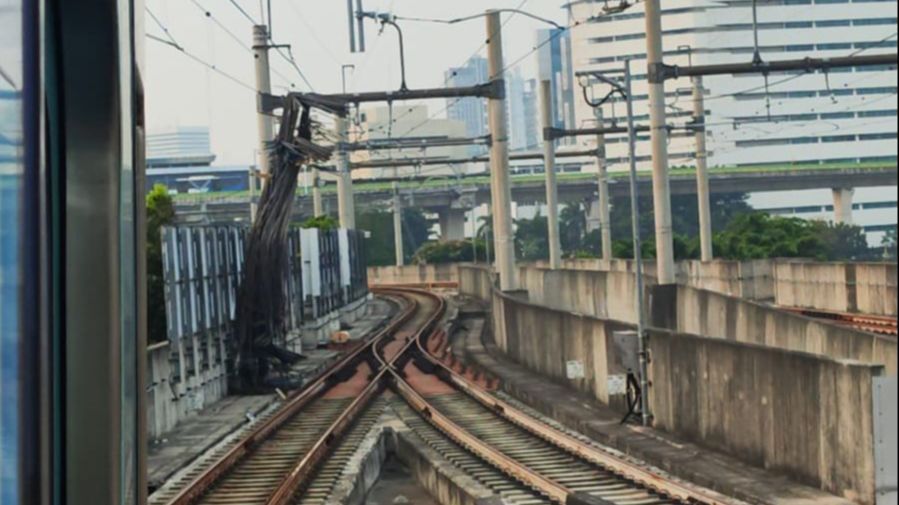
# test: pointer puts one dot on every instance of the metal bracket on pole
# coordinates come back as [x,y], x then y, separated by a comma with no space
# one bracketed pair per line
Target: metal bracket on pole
[661,72]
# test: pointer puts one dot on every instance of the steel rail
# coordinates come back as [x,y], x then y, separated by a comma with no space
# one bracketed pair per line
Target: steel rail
[305,468]
[539,483]
[201,485]
[572,445]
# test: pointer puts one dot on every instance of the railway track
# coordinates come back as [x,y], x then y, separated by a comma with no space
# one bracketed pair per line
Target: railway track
[297,455]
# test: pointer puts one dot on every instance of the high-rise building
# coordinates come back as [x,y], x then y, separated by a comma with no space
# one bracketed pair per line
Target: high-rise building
[555,62]
[534,132]
[179,146]
[471,111]
[847,115]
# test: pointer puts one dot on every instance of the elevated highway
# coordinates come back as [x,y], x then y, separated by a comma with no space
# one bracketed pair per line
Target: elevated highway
[444,194]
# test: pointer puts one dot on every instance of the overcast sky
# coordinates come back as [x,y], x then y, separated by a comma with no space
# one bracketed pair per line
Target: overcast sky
[182,92]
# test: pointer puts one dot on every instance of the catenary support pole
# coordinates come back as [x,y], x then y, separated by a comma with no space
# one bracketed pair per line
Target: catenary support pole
[501,187]
[605,213]
[659,132]
[318,209]
[552,190]
[345,204]
[265,123]
[398,226]
[702,171]
[638,250]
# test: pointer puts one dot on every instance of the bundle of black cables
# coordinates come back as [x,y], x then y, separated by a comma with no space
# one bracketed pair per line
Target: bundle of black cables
[261,311]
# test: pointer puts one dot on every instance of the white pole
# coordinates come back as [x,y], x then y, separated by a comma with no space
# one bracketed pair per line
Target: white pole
[265,123]
[346,205]
[661,183]
[318,208]
[702,172]
[605,217]
[499,162]
[398,226]
[552,190]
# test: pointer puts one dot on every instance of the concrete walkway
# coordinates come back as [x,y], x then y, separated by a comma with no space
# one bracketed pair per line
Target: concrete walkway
[584,414]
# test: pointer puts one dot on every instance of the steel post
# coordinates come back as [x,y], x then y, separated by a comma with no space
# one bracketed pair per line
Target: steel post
[638,249]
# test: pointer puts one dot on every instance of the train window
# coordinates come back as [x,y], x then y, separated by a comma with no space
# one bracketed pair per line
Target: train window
[11,184]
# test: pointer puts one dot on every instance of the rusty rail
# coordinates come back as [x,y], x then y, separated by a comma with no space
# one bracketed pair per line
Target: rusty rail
[195,491]
[304,470]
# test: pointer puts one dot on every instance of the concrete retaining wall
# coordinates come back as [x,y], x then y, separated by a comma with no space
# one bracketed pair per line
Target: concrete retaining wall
[866,288]
[413,274]
[803,415]
[711,314]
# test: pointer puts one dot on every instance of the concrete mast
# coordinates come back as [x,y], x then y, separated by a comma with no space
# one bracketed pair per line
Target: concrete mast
[317,206]
[265,124]
[398,226]
[552,190]
[659,131]
[499,162]
[345,204]
[702,171]
[605,214]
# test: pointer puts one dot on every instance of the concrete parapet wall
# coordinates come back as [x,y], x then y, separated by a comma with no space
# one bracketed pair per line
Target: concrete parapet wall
[602,294]
[476,282]
[706,313]
[413,274]
[545,340]
[866,288]
[807,416]
[760,400]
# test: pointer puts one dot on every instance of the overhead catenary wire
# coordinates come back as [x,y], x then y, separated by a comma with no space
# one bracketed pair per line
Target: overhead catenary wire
[209,15]
[452,74]
[288,56]
[172,42]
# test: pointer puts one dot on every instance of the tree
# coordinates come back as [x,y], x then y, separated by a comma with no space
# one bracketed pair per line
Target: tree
[457,251]
[531,238]
[889,245]
[324,223]
[160,212]
[759,236]
[573,229]
[380,247]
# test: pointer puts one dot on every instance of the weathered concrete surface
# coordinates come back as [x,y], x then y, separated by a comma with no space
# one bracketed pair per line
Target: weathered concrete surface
[711,314]
[865,288]
[583,413]
[448,484]
[800,414]
[199,433]
[611,295]
[413,274]
[397,485]
[545,340]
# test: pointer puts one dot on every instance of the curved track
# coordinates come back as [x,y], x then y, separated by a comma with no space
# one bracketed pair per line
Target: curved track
[296,455]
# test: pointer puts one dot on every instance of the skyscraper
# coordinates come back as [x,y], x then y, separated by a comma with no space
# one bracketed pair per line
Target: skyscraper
[555,64]
[471,111]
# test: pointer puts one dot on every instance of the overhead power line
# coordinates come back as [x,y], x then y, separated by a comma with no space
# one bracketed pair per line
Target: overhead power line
[201,61]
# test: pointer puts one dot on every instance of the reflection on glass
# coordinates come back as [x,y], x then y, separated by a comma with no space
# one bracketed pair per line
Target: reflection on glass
[10,189]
